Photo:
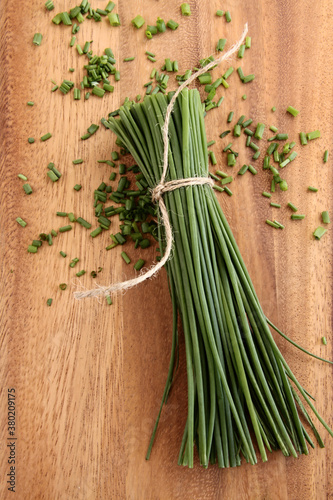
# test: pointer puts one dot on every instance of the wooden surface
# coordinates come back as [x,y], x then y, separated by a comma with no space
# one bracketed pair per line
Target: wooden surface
[88,378]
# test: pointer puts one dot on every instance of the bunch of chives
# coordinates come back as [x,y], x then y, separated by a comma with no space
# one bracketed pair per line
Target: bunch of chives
[241,392]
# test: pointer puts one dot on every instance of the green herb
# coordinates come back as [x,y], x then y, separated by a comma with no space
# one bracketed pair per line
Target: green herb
[220,13]
[226,132]
[248,78]
[81,273]
[313,135]
[37,40]
[230,116]
[244,97]
[228,16]
[281,137]
[276,205]
[108,300]
[49,302]
[96,232]
[221,44]
[303,138]
[319,232]
[292,111]
[273,109]
[252,170]
[110,6]
[243,169]
[324,341]
[292,206]
[325,217]
[21,221]
[297,217]
[63,254]
[27,188]
[248,42]
[63,286]
[46,137]
[128,59]
[63,229]
[49,5]
[259,133]
[114,19]
[31,140]
[326,156]
[267,195]
[172,25]
[241,52]
[313,189]
[30,103]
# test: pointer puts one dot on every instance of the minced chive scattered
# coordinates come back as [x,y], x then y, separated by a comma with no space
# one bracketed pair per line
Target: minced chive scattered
[303,139]
[46,137]
[276,205]
[96,232]
[273,109]
[77,187]
[230,116]
[244,97]
[114,19]
[266,195]
[319,232]
[252,170]
[172,24]
[313,135]
[281,137]
[49,5]
[259,133]
[63,254]
[324,341]
[228,16]
[292,206]
[81,273]
[138,22]
[292,111]
[37,39]
[297,216]
[185,9]
[221,44]
[128,59]
[63,286]
[49,302]
[31,140]
[273,224]
[273,128]
[108,300]
[125,257]
[325,217]
[21,221]
[231,160]
[243,170]
[30,103]
[248,78]
[64,229]
[241,52]
[27,188]
[248,42]
[227,190]
[83,223]
[22,177]
[326,156]
[220,13]
[77,162]
[313,189]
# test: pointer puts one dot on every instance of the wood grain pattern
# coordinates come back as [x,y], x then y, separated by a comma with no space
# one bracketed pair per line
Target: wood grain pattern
[88,377]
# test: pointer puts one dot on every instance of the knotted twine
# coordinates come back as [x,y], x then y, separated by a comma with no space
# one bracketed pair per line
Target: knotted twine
[163,187]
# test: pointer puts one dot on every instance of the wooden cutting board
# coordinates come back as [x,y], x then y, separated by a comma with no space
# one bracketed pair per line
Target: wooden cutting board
[88,377]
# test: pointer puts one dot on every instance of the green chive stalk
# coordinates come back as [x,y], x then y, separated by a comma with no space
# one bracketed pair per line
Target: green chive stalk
[241,392]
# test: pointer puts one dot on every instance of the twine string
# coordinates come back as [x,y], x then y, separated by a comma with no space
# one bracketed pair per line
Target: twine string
[163,187]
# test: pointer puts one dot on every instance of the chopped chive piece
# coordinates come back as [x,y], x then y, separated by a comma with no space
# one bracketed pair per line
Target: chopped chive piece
[185,9]
[172,24]
[248,131]
[114,19]
[276,205]
[108,300]
[72,42]
[303,138]
[273,128]
[283,185]
[150,54]
[96,232]
[319,232]
[248,78]
[66,19]
[281,137]
[63,254]
[276,156]
[271,148]
[259,131]
[297,217]
[243,170]
[254,146]
[30,103]
[77,94]
[49,5]
[23,177]
[77,162]
[36,243]
[326,156]
[210,143]
[54,88]
[53,232]
[325,217]
[98,91]
[267,195]
[284,163]
[292,206]
[225,83]
[228,146]
[252,170]
[231,160]
[256,155]
[218,188]
[241,52]
[313,189]
[313,135]
[32,249]
[27,188]
[138,22]
[46,137]
[221,174]
[77,187]
[139,264]
[221,44]
[117,76]
[279,225]
[273,224]
[237,130]
[52,176]
[324,341]
[292,111]
[227,16]
[220,13]
[227,190]
[125,257]
[219,102]
[247,123]
[57,19]
[248,42]
[49,302]
[79,50]
[31,140]
[63,229]
[241,74]
[81,273]
[63,286]
[244,97]
[228,73]
[226,180]
[93,128]
[205,78]
[273,109]
[83,223]
[230,116]
[248,141]
[21,221]
[37,39]
[110,6]
[128,59]
[226,132]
